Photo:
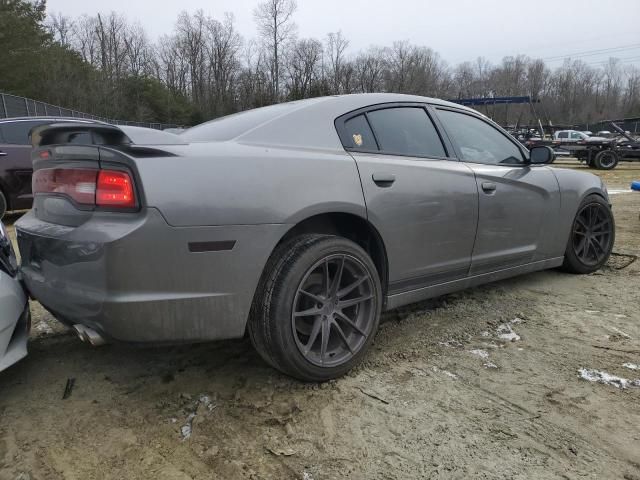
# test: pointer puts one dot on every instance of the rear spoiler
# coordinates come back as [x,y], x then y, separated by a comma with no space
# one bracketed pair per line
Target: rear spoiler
[86,133]
[66,132]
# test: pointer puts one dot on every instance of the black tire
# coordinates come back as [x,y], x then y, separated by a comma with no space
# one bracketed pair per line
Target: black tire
[3,205]
[273,326]
[606,160]
[590,243]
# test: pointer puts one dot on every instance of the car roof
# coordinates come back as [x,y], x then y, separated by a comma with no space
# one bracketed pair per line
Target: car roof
[47,119]
[309,123]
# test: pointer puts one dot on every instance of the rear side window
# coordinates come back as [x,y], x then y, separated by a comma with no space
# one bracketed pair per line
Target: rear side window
[563,135]
[359,134]
[17,133]
[406,131]
[478,141]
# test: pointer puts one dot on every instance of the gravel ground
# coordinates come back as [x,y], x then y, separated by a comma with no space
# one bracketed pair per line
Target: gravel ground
[534,377]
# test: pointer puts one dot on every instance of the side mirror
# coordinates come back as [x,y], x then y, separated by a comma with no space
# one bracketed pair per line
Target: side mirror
[541,154]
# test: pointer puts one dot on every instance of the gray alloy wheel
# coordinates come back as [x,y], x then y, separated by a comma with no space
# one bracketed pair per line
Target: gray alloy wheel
[333,312]
[592,236]
[317,307]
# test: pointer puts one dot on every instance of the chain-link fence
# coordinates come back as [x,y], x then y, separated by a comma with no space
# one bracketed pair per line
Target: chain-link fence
[14,106]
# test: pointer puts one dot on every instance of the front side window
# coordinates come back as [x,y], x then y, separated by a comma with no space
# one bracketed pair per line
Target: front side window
[406,131]
[478,141]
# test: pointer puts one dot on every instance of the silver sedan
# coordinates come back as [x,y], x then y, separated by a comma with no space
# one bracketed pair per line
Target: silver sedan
[297,223]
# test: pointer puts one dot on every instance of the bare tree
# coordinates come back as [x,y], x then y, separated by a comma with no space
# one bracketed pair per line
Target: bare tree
[303,67]
[61,28]
[275,26]
[336,47]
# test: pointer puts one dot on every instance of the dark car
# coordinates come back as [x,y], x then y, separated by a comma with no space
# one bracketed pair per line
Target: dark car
[15,160]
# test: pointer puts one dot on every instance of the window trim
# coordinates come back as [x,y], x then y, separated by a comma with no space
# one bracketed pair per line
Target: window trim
[339,122]
[523,151]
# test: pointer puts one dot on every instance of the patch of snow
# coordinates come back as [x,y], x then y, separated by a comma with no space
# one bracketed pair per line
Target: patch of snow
[619,315]
[480,353]
[187,428]
[505,332]
[607,379]
[490,365]
[485,334]
[44,327]
[618,191]
[307,476]
[631,366]
[450,343]
[449,374]
[592,311]
[516,320]
[206,401]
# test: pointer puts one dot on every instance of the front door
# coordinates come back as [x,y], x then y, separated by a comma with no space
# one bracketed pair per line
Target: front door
[519,204]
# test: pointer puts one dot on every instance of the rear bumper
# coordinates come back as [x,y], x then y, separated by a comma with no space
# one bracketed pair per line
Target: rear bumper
[134,278]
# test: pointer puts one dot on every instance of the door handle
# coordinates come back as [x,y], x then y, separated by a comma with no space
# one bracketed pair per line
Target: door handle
[3,154]
[488,187]
[383,179]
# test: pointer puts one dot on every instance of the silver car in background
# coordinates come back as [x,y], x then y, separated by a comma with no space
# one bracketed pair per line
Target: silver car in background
[297,223]
[14,307]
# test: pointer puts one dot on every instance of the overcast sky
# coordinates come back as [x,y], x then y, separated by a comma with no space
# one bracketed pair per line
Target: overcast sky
[458,29]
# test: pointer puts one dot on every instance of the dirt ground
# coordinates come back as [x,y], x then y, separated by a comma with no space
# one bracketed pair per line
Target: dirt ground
[485,383]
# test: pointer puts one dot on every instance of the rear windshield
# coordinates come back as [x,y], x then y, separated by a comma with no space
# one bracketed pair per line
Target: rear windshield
[232,126]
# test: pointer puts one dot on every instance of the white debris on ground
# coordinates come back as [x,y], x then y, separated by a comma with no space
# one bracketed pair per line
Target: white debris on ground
[447,373]
[479,353]
[620,332]
[607,379]
[203,405]
[631,366]
[506,333]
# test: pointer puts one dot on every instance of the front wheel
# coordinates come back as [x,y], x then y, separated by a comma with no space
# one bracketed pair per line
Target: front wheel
[317,307]
[592,236]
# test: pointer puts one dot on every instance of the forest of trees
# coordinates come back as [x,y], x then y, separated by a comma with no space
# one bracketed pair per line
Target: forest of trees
[107,65]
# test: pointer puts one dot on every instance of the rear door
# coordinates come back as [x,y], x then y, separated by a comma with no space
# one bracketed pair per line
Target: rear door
[15,162]
[519,204]
[420,198]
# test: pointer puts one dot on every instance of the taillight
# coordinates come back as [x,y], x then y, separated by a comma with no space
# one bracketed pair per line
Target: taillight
[115,189]
[87,187]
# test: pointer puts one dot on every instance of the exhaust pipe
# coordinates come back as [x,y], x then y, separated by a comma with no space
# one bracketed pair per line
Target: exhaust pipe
[89,335]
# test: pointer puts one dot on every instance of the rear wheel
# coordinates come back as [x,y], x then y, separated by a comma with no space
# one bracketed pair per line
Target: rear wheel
[317,308]
[592,236]
[606,160]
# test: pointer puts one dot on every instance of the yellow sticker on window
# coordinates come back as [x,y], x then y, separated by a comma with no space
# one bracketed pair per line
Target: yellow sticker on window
[357,139]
